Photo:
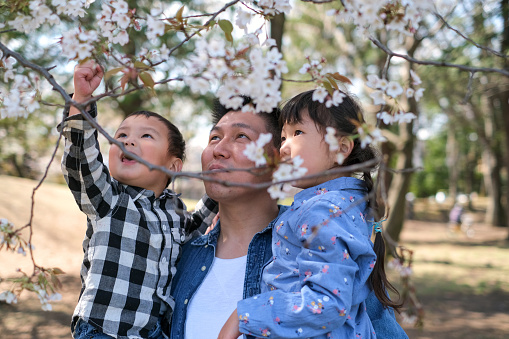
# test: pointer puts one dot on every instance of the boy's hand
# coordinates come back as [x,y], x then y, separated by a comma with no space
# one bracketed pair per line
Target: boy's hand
[87,77]
[230,329]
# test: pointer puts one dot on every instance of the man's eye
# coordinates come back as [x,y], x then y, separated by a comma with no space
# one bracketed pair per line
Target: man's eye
[214,138]
[146,136]
[242,135]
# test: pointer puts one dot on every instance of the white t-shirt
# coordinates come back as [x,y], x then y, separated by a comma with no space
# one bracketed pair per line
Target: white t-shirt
[216,298]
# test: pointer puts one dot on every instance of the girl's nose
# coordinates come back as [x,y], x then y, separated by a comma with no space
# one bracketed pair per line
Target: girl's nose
[284,151]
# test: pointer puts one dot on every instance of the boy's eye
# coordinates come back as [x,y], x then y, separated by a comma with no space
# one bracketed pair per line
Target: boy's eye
[121,135]
[146,136]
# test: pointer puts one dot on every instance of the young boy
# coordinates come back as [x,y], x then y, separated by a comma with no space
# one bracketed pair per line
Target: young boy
[135,226]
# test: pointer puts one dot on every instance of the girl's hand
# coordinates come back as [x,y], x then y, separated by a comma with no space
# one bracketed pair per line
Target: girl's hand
[87,77]
[230,329]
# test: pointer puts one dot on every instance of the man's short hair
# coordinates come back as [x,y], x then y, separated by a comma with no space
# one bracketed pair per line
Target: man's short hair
[271,119]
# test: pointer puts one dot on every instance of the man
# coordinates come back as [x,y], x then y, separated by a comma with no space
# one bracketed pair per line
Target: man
[218,269]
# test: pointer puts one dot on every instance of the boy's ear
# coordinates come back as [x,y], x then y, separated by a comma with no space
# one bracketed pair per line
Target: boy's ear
[175,164]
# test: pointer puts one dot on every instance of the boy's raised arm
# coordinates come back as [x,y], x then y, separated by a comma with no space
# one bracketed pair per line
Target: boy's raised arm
[82,163]
[87,77]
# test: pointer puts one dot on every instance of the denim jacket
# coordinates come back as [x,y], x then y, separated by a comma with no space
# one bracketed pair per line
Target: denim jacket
[197,257]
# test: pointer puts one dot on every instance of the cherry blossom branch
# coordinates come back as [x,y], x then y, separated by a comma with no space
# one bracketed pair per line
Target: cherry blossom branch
[224,8]
[492,51]
[408,58]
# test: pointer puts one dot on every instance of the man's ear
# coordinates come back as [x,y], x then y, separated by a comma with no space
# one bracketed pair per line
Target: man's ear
[175,164]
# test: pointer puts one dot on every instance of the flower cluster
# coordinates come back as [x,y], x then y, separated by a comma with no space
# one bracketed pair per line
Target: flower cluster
[21,98]
[384,89]
[39,13]
[400,16]
[11,239]
[286,171]
[397,265]
[245,70]
[43,284]
[273,7]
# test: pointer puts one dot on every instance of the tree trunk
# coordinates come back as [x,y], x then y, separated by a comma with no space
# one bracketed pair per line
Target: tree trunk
[400,183]
[452,153]
[504,48]
[277,28]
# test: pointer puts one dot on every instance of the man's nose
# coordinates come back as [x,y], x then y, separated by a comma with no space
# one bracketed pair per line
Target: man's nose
[222,149]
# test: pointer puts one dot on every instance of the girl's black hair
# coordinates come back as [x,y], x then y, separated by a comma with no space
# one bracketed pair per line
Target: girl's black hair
[345,118]
[176,142]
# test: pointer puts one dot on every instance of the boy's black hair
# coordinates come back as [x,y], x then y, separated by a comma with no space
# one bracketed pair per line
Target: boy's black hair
[176,142]
[271,119]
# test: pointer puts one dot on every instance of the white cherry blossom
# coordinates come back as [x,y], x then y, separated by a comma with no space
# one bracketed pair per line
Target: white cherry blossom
[320,94]
[394,89]
[378,97]
[255,152]
[331,139]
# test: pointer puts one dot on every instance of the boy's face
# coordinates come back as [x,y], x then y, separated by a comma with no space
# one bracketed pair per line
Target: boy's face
[227,141]
[148,139]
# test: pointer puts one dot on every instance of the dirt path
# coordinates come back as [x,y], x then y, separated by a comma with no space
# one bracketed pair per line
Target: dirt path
[463,284]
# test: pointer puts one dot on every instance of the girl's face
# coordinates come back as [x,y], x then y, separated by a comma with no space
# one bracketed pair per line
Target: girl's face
[304,139]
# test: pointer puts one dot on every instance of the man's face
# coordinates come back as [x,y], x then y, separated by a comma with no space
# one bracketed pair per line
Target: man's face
[227,142]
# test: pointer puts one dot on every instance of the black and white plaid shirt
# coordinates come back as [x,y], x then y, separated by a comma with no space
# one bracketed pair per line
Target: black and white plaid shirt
[132,241]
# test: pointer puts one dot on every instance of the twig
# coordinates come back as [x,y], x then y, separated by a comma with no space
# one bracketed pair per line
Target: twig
[492,51]
[388,51]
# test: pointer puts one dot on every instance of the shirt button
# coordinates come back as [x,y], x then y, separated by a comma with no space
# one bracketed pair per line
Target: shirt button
[203,268]
[206,246]
[164,227]
[163,260]
[186,301]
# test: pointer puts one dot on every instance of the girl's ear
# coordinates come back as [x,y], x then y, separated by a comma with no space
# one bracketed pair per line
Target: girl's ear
[345,146]
[175,164]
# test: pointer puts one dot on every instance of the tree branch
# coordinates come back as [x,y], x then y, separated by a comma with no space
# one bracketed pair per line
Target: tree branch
[389,52]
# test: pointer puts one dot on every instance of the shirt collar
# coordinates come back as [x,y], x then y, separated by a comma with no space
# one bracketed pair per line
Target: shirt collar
[137,192]
[211,238]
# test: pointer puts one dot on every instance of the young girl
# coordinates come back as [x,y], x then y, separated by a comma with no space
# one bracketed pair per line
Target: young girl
[324,265]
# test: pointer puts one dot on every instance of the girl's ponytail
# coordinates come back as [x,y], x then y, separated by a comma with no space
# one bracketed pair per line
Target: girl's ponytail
[378,279]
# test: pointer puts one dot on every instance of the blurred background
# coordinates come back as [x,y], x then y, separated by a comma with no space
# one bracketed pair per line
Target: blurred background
[447,190]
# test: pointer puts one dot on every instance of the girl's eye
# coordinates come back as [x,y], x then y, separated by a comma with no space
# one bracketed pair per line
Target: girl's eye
[146,136]
[283,139]
[298,132]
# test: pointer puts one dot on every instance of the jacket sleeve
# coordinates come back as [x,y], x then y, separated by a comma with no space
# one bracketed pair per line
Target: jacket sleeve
[332,268]
[83,168]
